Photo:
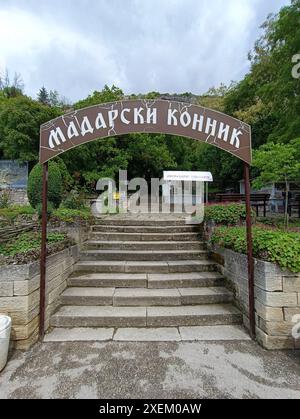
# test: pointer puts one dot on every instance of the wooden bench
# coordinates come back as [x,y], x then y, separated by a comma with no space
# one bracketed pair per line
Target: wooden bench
[257,200]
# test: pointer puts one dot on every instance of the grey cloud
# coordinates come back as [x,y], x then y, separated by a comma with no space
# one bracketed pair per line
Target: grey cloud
[141,45]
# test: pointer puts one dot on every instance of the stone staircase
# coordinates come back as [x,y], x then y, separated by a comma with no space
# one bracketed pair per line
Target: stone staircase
[144,279]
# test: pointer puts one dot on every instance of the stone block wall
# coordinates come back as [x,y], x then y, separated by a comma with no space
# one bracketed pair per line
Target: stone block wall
[20,293]
[17,196]
[277,298]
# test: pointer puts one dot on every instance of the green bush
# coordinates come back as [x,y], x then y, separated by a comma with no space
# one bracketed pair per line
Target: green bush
[228,214]
[74,200]
[72,215]
[270,245]
[50,209]
[66,177]
[55,188]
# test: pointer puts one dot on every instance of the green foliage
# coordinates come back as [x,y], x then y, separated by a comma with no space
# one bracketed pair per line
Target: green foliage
[270,86]
[43,96]
[4,199]
[277,162]
[28,241]
[270,245]
[26,247]
[13,211]
[50,209]
[107,94]
[54,185]
[101,158]
[228,214]
[66,177]
[74,200]
[20,120]
[11,88]
[71,215]
[148,155]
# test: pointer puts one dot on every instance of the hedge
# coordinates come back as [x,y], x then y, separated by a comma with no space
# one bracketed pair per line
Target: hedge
[274,246]
[55,188]
[228,214]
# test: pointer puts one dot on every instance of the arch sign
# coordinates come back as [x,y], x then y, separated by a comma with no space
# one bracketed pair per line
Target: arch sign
[145,116]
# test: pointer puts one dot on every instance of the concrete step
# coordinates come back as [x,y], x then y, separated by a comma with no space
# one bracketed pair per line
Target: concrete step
[141,255]
[159,229]
[121,266]
[139,221]
[170,297]
[97,316]
[202,315]
[115,236]
[148,334]
[143,245]
[184,333]
[107,316]
[185,280]
[108,280]
[91,296]
[137,280]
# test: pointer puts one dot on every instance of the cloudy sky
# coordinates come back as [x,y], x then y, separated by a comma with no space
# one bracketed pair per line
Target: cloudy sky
[77,46]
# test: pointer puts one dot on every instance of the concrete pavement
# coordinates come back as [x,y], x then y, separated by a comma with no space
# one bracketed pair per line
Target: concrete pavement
[239,369]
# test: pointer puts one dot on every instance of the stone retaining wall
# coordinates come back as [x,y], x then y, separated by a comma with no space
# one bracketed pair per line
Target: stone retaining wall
[277,298]
[20,293]
[17,196]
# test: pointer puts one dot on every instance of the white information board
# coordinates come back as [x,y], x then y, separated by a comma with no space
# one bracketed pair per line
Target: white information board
[188,176]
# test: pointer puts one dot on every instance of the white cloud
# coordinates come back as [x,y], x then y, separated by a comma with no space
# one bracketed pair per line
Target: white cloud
[139,45]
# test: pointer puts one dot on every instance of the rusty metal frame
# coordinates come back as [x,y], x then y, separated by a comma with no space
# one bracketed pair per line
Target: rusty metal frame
[249,244]
[43,251]
[249,251]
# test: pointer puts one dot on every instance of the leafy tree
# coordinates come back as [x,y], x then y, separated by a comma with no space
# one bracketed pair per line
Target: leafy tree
[101,158]
[107,94]
[8,88]
[278,163]
[54,98]
[269,91]
[20,120]
[43,96]
[148,155]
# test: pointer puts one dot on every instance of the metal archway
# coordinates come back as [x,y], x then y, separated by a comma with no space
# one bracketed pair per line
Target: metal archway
[146,116]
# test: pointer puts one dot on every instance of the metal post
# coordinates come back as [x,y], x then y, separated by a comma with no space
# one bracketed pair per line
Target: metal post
[249,252]
[43,250]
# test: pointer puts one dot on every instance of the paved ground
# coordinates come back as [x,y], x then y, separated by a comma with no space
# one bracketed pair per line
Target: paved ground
[239,369]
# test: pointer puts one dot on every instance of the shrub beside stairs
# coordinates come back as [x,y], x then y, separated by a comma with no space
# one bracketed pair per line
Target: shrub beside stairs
[145,279]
